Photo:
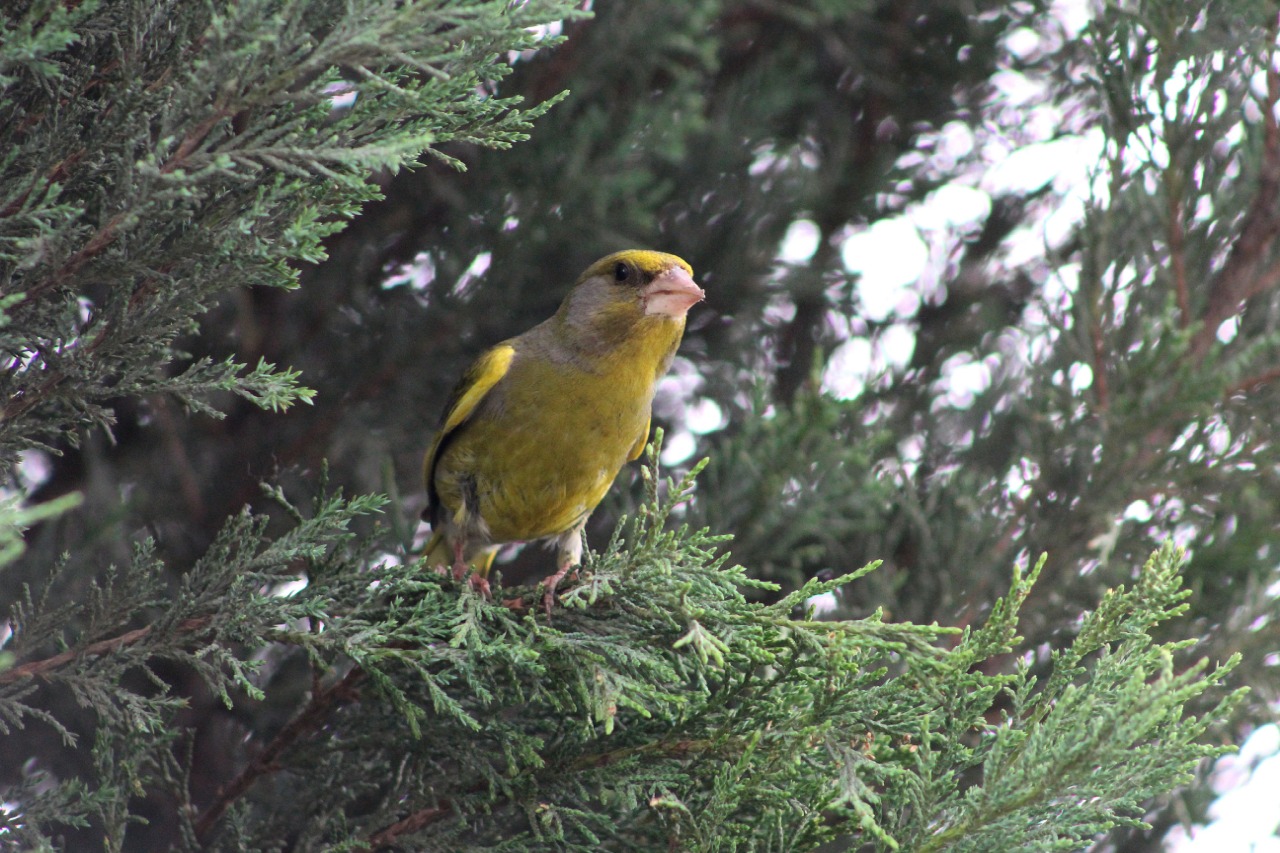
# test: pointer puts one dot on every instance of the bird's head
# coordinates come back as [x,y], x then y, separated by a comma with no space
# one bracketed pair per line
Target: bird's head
[631,290]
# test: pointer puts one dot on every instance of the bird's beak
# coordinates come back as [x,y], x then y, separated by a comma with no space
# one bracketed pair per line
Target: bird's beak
[672,293]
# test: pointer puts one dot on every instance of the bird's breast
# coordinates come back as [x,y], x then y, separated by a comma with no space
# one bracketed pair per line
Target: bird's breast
[545,449]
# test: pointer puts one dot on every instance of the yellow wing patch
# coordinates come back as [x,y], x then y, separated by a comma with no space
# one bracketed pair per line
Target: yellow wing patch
[488,369]
[479,380]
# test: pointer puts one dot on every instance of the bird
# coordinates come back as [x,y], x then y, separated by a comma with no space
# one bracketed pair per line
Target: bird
[538,427]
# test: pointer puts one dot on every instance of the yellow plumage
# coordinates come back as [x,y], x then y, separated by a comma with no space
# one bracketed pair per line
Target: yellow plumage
[539,426]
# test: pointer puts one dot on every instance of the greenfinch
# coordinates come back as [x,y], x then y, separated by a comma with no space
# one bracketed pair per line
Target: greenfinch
[539,426]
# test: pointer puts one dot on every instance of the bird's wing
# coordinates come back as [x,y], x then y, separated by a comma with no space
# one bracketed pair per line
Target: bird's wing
[478,381]
[638,447]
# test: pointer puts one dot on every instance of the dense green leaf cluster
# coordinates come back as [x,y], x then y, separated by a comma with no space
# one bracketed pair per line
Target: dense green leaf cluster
[238,136]
[660,708]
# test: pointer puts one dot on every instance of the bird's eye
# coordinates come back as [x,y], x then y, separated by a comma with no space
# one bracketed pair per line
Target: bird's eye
[620,272]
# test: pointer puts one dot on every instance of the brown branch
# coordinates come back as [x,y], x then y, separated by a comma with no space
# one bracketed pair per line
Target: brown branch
[267,761]
[1178,259]
[58,172]
[414,822]
[63,167]
[308,720]
[1101,387]
[104,237]
[102,647]
[1266,279]
[109,233]
[1252,382]
[22,402]
[193,139]
[1239,279]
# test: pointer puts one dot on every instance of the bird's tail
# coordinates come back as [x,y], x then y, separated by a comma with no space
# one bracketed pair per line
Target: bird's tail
[436,552]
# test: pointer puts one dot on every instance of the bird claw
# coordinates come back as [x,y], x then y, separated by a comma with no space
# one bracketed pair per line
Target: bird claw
[551,582]
[480,584]
[478,581]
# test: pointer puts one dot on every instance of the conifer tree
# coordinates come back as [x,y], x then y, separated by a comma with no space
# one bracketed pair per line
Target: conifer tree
[246,248]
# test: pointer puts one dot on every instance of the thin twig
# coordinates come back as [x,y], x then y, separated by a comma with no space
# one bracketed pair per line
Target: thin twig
[1101,386]
[96,245]
[1249,383]
[21,402]
[102,647]
[414,822]
[267,761]
[194,139]
[105,236]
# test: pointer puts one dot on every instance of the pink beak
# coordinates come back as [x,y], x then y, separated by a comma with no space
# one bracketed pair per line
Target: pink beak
[672,293]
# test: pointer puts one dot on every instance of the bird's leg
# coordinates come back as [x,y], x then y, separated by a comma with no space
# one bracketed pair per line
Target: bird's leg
[549,584]
[569,557]
[479,578]
[459,565]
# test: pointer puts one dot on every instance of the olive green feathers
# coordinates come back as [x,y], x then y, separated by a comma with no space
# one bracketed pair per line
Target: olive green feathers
[539,426]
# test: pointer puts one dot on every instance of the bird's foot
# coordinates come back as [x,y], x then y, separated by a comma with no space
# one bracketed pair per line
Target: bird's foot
[550,583]
[480,584]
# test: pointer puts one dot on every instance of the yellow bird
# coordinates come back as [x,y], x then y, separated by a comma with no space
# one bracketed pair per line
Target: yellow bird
[539,426]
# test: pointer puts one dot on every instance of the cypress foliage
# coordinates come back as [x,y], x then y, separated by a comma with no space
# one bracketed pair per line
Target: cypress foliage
[218,637]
